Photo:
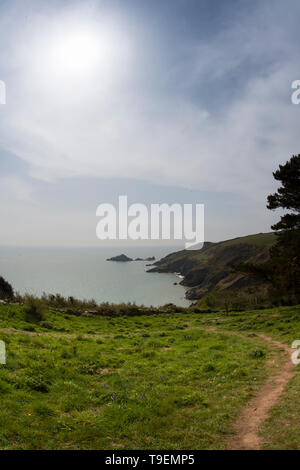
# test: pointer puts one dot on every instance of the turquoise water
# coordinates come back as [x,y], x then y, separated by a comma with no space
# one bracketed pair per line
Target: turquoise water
[84,273]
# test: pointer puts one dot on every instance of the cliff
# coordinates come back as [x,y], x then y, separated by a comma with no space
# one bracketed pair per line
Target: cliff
[211,267]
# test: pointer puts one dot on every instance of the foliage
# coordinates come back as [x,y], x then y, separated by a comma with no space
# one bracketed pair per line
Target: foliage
[6,290]
[233,300]
[282,270]
[285,255]
[288,195]
[35,309]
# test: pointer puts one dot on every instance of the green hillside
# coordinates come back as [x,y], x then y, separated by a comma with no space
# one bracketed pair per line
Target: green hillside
[211,267]
[167,381]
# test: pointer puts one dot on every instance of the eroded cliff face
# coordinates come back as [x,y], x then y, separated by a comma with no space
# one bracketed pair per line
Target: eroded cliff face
[211,267]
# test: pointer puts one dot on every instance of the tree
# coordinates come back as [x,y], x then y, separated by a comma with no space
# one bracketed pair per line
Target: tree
[282,271]
[288,195]
[285,255]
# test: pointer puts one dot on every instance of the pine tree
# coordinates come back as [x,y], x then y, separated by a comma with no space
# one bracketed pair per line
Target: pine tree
[282,271]
[288,195]
[285,255]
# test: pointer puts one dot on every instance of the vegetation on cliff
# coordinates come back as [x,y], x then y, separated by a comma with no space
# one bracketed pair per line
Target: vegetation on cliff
[259,264]
[211,268]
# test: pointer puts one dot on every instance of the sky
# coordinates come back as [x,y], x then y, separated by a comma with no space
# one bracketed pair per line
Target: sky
[166,101]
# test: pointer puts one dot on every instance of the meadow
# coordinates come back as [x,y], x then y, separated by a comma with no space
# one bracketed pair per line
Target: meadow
[165,381]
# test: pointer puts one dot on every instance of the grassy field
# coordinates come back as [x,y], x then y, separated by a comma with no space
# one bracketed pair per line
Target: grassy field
[172,381]
[282,430]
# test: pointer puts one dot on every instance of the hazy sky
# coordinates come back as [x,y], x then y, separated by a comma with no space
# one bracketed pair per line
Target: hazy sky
[162,100]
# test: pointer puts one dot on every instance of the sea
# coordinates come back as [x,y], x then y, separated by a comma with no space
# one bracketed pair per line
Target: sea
[84,273]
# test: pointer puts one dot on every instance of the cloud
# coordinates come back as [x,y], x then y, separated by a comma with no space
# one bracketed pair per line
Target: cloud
[223,126]
[15,189]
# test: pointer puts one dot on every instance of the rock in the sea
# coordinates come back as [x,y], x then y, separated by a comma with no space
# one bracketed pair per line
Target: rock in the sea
[121,258]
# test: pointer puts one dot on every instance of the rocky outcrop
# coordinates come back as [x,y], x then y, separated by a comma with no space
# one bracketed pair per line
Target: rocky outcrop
[120,259]
[211,267]
[124,259]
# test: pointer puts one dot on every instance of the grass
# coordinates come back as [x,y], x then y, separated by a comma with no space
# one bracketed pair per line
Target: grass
[147,382]
[260,239]
[282,323]
[281,430]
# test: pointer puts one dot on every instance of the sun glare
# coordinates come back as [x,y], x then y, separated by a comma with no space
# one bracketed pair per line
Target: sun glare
[78,51]
[77,55]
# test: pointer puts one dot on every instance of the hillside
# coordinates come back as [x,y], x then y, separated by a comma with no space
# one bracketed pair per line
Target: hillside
[89,382]
[210,268]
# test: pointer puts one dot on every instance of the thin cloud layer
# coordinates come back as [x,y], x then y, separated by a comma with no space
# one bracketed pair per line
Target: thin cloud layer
[180,94]
[96,120]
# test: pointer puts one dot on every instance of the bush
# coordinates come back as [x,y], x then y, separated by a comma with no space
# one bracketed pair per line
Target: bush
[6,290]
[35,309]
[232,300]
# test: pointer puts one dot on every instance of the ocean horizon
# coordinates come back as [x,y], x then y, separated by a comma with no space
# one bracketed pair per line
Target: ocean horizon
[84,273]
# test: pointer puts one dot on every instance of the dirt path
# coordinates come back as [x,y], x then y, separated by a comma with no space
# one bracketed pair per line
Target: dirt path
[249,423]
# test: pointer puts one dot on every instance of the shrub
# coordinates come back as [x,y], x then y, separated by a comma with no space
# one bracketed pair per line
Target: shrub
[35,309]
[6,290]
[232,300]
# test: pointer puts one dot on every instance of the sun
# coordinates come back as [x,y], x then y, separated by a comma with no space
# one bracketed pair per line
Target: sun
[77,52]
[77,55]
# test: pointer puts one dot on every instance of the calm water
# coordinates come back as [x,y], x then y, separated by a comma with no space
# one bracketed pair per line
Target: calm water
[84,273]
